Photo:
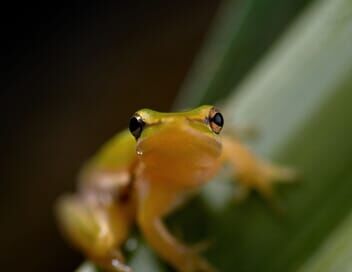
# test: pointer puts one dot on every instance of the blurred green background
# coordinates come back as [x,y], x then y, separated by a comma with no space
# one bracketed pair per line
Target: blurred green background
[75,73]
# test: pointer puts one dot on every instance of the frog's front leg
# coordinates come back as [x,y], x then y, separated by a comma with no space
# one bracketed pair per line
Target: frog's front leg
[252,172]
[97,228]
[156,201]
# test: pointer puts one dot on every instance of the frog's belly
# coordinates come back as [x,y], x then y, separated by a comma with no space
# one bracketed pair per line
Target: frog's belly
[186,173]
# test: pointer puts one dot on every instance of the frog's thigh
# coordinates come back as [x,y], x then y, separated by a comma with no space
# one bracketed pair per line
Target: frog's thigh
[97,229]
[157,201]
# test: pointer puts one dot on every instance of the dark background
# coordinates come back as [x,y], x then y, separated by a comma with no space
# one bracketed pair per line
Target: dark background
[72,75]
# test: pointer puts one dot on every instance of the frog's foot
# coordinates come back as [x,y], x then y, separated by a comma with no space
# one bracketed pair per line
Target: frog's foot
[252,172]
[263,179]
[279,174]
[114,263]
[195,263]
[201,246]
[118,266]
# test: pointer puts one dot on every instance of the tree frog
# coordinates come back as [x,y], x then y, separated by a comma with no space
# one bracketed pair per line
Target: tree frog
[142,174]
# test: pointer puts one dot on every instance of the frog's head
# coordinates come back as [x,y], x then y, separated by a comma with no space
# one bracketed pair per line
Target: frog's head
[185,138]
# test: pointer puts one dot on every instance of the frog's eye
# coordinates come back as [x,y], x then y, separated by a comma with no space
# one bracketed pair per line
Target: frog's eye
[136,125]
[216,121]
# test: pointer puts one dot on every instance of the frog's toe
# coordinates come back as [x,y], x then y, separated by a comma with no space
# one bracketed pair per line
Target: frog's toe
[280,174]
[201,246]
[117,265]
[196,263]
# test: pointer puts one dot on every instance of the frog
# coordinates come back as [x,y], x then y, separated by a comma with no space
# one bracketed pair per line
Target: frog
[146,172]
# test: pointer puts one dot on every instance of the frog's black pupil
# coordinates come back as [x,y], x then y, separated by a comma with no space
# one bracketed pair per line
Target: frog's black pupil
[218,119]
[136,126]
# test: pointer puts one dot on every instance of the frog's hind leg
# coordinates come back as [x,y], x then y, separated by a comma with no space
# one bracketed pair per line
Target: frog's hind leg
[156,201]
[98,229]
[252,172]
[278,173]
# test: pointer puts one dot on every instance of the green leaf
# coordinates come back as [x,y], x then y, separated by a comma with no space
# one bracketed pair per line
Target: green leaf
[241,33]
[335,253]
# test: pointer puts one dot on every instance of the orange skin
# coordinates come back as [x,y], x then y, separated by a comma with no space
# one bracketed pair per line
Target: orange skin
[140,181]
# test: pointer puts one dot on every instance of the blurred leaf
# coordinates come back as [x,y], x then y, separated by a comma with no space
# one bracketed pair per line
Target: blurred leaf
[242,32]
[336,253]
